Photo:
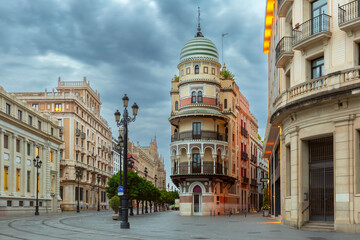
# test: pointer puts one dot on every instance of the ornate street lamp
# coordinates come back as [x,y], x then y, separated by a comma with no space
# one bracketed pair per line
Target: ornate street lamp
[131,166]
[37,164]
[98,180]
[120,146]
[124,123]
[78,173]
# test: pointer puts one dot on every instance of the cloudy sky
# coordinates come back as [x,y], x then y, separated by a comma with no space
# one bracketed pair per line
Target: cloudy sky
[127,46]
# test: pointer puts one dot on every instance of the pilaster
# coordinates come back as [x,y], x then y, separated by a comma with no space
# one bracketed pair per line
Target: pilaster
[12,169]
[2,132]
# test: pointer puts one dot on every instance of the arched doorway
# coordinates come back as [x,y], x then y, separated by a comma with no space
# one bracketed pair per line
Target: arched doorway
[197,200]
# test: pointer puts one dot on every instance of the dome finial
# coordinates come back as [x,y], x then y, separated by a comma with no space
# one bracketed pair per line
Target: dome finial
[199,34]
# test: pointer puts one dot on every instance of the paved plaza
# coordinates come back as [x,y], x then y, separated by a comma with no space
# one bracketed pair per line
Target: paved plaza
[162,225]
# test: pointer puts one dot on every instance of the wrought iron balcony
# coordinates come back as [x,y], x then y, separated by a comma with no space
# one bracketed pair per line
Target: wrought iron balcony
[83,135]
[78,132]
[204,135]
[244,180]
[208,168]
[254,182]
[253,158]
[283,7]
[311,31]
[284,51]
[349,16]
[244,156]
[244,132]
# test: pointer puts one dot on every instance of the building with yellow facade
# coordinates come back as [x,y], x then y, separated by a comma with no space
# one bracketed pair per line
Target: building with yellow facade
[24,134]
[87,141]
[313,132]
[210,141]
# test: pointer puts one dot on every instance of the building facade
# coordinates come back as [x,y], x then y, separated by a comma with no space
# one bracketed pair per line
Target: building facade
[148,163]
[313,132]
[26,133]
[262,172]
[87,141]
[116,158]
[210,141]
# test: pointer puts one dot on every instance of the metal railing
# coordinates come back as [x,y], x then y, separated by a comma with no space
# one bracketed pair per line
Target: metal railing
[253,158]
[348,12]
[244,156]
[78,132]
[244,132]
[253,182]
[311,27]
[283,46]
[208,168]
[206,135]
[244,180]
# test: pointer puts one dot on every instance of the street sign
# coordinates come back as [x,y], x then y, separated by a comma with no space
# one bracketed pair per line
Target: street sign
[264,179]
[120,191]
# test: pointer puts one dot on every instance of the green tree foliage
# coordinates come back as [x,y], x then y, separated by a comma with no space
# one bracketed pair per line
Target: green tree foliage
[175,78]
[266,204]
[226,74]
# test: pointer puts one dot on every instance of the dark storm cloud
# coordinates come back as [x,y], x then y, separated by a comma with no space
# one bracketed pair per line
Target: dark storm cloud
[126,46]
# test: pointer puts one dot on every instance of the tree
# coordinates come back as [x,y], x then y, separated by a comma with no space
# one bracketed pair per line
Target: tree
[226,74]
[114,203]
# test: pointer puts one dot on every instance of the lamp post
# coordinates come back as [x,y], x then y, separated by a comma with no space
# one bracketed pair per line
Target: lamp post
[120,146]
[124,122]
[146,202]
[98,180]
[78,173]
[37,164]
[155,205]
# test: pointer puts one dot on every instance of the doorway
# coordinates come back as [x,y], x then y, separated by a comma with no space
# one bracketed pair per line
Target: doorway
[321,179]
[197,200]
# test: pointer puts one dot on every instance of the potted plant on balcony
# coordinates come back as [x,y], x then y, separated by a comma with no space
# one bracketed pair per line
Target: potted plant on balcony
[265,206]
[114,204]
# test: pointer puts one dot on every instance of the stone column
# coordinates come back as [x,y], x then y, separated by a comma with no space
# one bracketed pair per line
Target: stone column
[12,169]
[178,164]
[202,162]
[295,179]
[189,163]
[23,168]
[214,158]
[2,132]
[343,172]
[33,170]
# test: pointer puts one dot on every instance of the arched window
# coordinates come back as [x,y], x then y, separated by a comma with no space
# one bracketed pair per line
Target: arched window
[226,134]
[176,134]
[193,97]
[176,105]
[197,69]
[200,97]
[225,103]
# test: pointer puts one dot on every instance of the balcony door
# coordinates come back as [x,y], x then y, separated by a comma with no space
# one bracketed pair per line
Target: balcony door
[196,130]
[196,163]
[318,21]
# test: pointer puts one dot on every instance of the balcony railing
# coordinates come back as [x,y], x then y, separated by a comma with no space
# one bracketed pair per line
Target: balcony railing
[253,158]
[283,51]
[61,130]
[78,132]
[253,182]
[205,135]
[83,135]
[208,168]
[244,156]
[316,25]
[349,12]
[244,132]
[244,180]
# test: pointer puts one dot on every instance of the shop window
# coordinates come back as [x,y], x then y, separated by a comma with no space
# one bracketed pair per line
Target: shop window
[6,178]
[18,180]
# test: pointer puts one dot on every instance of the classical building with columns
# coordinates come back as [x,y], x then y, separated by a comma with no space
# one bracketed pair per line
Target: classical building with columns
[24,134]
[87,141]
[210,121]
[313,132]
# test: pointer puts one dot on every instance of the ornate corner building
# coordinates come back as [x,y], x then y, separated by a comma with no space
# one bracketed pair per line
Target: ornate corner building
[87,141]
[209,147]
[313,132]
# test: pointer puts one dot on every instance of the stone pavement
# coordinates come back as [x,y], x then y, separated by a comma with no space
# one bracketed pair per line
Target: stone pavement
[162,225]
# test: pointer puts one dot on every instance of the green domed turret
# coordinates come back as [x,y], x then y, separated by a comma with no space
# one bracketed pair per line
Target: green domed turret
[199,48]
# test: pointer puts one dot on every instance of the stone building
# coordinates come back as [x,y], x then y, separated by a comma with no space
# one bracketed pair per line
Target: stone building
[148,163]
[116,159]
[262,172]
[87,141]
[24,134]
[313,132]
[210,141]
[253,162]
